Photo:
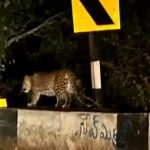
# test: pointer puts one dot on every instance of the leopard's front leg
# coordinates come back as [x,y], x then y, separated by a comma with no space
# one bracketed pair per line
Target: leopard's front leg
[34,99]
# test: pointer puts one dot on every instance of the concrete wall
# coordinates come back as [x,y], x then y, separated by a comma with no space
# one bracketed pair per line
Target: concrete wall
[66,130]
[57,130]
[8,129]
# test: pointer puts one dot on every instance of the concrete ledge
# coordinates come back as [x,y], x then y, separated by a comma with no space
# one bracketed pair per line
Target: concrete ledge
[57,130]
[46,129]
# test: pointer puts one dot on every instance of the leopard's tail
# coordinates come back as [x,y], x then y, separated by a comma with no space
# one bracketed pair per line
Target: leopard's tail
[83,97]
[91,100]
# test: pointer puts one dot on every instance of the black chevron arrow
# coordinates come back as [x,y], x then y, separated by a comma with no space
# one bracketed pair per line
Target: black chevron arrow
[97,12]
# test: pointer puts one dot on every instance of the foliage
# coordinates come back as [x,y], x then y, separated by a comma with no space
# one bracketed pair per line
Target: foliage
[127,61]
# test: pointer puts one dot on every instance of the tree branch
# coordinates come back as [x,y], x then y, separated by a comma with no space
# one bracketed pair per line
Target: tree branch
[32,31]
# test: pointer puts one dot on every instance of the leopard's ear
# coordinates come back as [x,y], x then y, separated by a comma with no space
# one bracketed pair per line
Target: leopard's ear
[27,78]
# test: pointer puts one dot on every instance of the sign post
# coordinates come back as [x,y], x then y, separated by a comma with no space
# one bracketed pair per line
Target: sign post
[95,15]
[95,69]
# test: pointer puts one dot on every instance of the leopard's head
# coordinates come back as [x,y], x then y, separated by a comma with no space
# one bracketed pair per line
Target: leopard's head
[26,85]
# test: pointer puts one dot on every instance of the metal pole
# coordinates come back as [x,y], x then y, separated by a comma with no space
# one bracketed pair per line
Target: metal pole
[95,69]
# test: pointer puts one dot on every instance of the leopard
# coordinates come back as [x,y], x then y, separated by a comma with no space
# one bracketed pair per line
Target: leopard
[63,84]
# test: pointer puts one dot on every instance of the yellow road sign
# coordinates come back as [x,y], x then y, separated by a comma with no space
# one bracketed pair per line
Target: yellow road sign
[3,102]
[95,15]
